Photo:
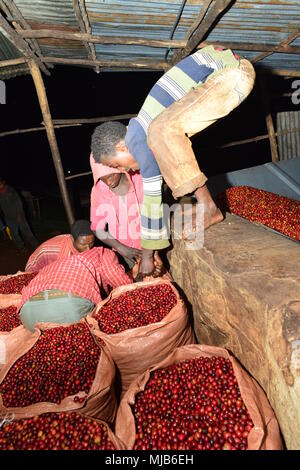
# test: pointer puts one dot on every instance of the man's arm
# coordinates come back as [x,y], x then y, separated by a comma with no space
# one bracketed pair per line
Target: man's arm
[112,272]
[127,252]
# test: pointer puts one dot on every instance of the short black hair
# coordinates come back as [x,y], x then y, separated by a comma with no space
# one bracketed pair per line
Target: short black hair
[105,138]
[81,228]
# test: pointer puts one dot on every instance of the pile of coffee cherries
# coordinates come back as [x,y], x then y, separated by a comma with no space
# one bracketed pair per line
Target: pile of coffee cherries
[55,431]
[62,363]
[136,308]
[9,318]
[194,405]
[15,284]
[277,212]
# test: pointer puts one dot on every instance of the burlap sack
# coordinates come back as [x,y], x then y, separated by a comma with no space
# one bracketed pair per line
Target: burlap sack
[136,350]
[111,436]
[7,276]
[12,344]
[6,300]
[101,400]
[263,436]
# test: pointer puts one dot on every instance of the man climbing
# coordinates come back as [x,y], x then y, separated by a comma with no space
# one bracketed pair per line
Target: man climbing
[189,97]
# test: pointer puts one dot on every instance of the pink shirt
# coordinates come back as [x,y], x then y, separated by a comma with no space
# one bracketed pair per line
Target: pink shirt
[81,275]
[54,249]
[120,213]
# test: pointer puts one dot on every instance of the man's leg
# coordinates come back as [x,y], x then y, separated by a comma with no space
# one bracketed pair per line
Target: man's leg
[201,107]
[26,230]
[14,231]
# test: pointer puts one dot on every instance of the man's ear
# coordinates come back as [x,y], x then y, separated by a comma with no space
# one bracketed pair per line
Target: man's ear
[121,146]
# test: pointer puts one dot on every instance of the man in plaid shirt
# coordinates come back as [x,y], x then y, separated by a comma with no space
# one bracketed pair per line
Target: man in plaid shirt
[67,290]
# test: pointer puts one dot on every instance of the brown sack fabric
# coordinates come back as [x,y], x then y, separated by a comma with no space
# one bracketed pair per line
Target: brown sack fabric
[263,436]
[14,343]
[100,402]
[136,350]
[6,300]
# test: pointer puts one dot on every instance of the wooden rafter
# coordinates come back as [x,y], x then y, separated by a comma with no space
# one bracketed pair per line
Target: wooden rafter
[88,30]
[10,62]
[283,44]
[205,6]
[145,64]
[79,8]
[268,118]
[212,16]
[20,44]
[253,47]
[19,23]
[44,105]
[171,43]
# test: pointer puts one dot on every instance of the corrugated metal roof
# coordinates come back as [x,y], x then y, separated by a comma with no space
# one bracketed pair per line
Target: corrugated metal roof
[247,21]
[288,144]
[8,51]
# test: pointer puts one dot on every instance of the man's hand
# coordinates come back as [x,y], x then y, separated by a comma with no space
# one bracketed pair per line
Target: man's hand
[151,265]
[159,266]
[131,253]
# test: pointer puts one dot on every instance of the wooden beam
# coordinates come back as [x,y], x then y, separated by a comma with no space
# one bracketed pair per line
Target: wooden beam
[110,63]
[19,43]
[78,175]
[268,118]
[253,47]
[41,92]
[56,34]
[213,15]
[283,44]
[119,117]
[171,43]
[19,23]
[249,141]
[9,62]
[34,129]
[205,6]
[280,72]
[88,29]
[83,25]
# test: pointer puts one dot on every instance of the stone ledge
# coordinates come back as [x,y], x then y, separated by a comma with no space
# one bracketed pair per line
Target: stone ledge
[244,286]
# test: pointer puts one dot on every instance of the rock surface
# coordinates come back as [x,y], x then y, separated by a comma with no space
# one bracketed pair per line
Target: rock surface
[244,288]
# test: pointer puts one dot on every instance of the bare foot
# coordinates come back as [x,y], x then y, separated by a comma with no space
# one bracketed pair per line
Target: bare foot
[212,214]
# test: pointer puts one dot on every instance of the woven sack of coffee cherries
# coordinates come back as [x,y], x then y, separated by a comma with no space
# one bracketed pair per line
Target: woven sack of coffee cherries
[198,398]
[57,369]
[141,324]
[58,431]
[10,295]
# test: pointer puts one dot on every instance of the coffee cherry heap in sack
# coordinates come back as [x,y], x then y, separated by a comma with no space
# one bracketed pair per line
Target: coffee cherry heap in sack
[9,318]
[195,404]
[136,308]
[15,284]
[55,431]
[62,363]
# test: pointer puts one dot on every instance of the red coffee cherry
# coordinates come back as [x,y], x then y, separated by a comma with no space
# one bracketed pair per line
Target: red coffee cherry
[62,363]
[136,308]
[195,404]
[55,431]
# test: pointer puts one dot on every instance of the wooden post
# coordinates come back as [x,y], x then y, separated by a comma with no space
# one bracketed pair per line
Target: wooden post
[269,119]
[41,92]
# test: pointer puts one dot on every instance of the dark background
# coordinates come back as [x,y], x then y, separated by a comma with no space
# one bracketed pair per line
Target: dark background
[76,92]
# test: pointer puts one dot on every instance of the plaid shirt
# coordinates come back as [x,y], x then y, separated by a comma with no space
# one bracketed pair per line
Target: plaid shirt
[81,275]
[54,249]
